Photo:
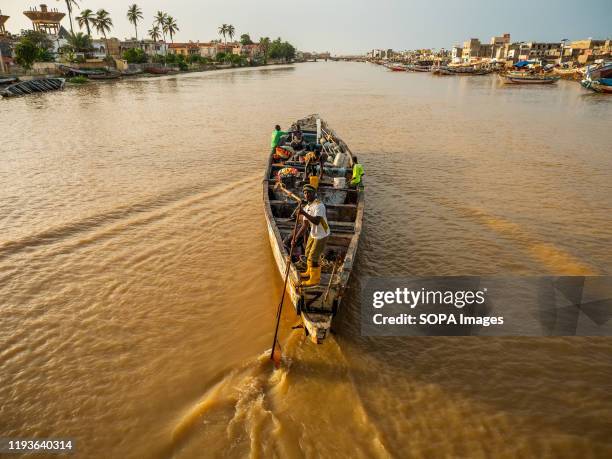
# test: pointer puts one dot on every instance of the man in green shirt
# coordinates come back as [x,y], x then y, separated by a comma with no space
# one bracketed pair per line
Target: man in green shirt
[276,135]
[357,174]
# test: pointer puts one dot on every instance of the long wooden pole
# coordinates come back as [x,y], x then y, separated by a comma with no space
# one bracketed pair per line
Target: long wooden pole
[287,269]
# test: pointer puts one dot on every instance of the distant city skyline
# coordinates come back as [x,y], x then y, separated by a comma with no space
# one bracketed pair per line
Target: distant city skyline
[355,26]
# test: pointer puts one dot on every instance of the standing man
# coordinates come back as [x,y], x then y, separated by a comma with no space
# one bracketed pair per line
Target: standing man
[314,214]
[358,172]
[276,135]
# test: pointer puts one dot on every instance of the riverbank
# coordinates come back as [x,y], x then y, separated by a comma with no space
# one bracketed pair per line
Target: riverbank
[123,258]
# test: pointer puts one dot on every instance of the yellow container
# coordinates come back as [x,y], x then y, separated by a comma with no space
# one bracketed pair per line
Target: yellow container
[314,181]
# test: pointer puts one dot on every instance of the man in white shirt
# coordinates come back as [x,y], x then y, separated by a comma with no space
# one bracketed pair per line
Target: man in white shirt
[314,214]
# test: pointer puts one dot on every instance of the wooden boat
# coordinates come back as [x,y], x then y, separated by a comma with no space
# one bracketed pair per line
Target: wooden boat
[105,76]
[442,71]
[316,305]
[527,79]
[31,86]
[158,70]
[597,86]
[131,72]
[73,71]
[9,80]
[418,68]
[397,68]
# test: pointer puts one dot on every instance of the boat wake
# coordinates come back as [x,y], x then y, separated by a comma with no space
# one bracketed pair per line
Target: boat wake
[304,408]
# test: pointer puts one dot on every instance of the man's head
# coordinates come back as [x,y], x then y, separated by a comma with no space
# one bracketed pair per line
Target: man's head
[310,192]
[277,127]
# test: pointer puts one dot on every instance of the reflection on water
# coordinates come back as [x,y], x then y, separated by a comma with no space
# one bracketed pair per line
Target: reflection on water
[138,290]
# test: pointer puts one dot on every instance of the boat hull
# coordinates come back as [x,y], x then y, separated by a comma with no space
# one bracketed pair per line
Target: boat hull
[508,79]
[316,305]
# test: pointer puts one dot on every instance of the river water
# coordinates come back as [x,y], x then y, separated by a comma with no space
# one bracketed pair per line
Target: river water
[138,289]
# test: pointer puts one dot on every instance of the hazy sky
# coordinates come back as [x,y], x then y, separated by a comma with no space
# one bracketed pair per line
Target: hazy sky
[355,26]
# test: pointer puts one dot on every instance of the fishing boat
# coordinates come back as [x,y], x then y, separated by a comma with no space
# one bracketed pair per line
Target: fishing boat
[9,80]
[105,76]
[316,305]
[31,86]
[158,70]
[514,78]
[73,71]
[418,68]
[397,68]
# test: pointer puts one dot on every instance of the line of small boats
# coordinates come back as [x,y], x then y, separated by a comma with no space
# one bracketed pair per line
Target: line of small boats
[597,78]
[23,88]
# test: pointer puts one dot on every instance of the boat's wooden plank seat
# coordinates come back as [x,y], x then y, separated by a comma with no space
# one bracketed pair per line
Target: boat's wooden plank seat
[334,225]
[337,212]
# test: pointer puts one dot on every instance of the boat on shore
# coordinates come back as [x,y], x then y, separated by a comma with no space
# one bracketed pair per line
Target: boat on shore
[24,88]
[516,78]
[8,80]
[418,68]
[105,76]
[598,79]
[397,68]
[158,70]
[316,305]
[73,71]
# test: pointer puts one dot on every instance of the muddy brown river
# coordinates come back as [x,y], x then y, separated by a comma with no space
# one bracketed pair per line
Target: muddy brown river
[138,289]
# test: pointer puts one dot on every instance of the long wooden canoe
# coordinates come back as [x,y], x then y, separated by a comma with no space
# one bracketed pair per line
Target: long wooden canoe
[317,305]
[527,79]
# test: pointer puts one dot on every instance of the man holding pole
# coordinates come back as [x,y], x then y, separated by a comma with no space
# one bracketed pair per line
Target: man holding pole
[314,214]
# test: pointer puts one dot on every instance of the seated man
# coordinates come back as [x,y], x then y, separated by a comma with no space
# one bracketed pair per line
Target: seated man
[314,214]
[297,139]
[312,159]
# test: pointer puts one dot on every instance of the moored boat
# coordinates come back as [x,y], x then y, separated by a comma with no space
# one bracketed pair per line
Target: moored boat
[513,78]
[31,86]
[9,80]
[397,68]
[316,305]
[105,76]
[73,71]
[158,70]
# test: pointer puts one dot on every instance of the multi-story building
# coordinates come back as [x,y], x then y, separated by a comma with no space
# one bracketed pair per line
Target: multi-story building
[150,47]
[184,49]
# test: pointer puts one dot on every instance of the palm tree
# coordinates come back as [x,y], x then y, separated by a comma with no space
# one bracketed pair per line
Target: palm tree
[69,5]
[87,20]
[160,21]
[264,45]
[134,15]
[154,33]
[171,27]
[231,31]
[79,42]
[103,24]
[223,32]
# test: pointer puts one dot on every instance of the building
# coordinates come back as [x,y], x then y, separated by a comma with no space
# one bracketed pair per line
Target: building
[100,48]
[252,51]
[184,49]
[3,20]
[150,47]
[210,50]
[537,50]
[45,20]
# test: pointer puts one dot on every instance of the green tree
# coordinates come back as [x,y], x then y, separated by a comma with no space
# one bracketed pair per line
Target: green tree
[79,42]
[135,56]
[87,20]
[245,39]
[26,53]
[223,32]
[103,24]
[33,47]
[264,46]
[160,21]
[231,31]
[171,27]
[154,33]
[69,5]
[134,15]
